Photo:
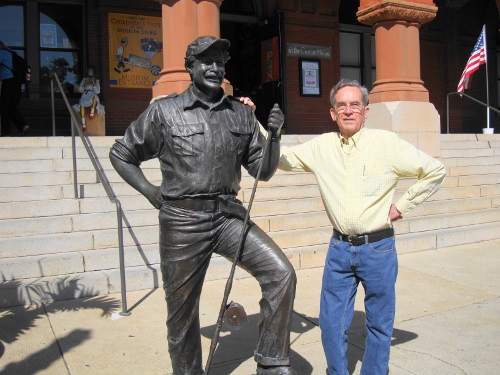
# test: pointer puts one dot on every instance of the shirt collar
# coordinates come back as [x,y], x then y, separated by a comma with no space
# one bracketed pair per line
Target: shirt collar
[356,138]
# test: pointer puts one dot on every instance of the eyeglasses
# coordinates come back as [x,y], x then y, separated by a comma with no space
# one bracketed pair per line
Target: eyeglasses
[355,107]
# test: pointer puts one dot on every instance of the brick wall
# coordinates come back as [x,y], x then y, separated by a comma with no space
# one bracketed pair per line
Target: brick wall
[311,115]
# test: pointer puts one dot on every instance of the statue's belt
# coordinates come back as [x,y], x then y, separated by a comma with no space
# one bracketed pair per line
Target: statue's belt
[222,204]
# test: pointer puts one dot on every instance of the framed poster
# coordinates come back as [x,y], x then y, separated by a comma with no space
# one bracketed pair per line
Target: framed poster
[310,78]
[135,50]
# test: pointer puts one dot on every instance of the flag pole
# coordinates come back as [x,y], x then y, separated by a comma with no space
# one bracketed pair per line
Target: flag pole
[487,86]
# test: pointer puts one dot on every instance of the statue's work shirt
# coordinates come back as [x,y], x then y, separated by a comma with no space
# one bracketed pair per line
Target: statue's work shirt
[201,146]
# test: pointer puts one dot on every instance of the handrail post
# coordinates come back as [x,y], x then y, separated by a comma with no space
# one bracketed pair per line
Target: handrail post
[53,108]
[105,183]
[448,113]
[121,251]
[73,147]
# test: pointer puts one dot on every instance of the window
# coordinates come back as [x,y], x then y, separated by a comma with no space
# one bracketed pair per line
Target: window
[350,56]
[61,39]
[357,56]
[12,29]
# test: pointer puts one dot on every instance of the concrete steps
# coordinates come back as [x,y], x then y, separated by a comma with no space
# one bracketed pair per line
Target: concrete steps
[53,246]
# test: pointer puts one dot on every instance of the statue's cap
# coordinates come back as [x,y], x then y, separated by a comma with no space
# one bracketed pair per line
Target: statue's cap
[205,42]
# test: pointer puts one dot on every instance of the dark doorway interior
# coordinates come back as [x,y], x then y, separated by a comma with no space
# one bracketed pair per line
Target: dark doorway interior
[244,68]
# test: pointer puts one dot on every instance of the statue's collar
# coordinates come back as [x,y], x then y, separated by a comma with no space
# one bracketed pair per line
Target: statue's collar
[193,96]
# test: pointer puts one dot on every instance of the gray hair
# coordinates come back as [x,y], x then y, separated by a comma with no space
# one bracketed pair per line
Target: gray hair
[352,83]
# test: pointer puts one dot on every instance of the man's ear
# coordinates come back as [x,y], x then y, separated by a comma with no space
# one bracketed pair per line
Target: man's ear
[333,114]
[367,112]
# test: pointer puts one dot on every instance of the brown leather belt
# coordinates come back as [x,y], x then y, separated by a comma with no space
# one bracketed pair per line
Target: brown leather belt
[361,239]
[219,204]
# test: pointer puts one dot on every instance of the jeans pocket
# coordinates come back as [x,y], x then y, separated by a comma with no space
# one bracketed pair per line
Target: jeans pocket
[333,241]
[384,246]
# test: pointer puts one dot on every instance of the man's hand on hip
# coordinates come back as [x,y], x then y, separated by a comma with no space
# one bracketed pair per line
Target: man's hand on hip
[394,214]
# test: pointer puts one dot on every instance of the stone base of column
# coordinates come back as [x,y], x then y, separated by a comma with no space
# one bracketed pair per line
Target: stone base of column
[399,91]
[415,122]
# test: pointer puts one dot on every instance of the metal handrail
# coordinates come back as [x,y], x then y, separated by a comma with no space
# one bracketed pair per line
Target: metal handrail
[468,97]
[102,178]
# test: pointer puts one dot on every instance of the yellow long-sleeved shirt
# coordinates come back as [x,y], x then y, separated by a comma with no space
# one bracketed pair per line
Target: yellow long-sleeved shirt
[357,177]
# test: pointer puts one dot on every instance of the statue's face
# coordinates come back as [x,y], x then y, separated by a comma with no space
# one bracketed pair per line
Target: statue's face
[208,71]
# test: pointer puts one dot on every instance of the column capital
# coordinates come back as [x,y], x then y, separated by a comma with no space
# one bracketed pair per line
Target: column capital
[394,10]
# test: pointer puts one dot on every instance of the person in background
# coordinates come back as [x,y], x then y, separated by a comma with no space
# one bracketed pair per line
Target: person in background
[10,96]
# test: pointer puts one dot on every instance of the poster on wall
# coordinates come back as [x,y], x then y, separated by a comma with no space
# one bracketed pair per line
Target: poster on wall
[309,75]
[135,50]
[270,60]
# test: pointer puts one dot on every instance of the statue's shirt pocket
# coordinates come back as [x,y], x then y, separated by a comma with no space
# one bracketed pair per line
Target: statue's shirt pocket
[188,139]
[240,137]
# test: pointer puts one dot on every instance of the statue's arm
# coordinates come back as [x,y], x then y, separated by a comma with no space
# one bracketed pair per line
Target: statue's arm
[142,141]
[271,159]
[133,175]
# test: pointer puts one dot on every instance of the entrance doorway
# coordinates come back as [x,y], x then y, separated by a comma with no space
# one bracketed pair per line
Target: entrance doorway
[245,29]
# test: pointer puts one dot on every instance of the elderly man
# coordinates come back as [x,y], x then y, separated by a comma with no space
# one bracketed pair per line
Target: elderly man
[202,138]
[357,171]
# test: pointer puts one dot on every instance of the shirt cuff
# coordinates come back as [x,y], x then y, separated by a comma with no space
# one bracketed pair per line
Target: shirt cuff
[404,206]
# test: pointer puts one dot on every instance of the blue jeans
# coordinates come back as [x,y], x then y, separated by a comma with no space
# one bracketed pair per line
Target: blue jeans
[376,266]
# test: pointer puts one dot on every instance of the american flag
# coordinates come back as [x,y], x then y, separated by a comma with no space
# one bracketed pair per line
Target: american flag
[477,58]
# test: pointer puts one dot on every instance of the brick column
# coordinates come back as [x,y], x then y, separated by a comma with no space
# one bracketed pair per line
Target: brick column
[399,102]
[397,44]
[184,21]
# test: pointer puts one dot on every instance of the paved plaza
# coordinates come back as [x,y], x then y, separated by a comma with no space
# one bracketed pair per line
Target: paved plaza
[447,323]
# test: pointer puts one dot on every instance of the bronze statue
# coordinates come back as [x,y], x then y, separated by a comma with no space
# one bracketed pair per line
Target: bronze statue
[202,138]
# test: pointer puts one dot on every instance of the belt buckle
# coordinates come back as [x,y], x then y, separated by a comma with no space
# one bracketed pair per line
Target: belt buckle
[211,205]
[349,239]
[353,240]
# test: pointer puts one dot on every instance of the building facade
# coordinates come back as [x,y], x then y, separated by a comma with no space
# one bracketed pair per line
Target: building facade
[289,52]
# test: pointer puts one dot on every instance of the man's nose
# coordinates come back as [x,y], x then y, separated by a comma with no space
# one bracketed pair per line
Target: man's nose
[348,109]
[214,66]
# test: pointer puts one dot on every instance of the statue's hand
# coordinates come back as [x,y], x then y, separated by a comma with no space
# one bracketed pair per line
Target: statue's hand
[275,121]
[154,196]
